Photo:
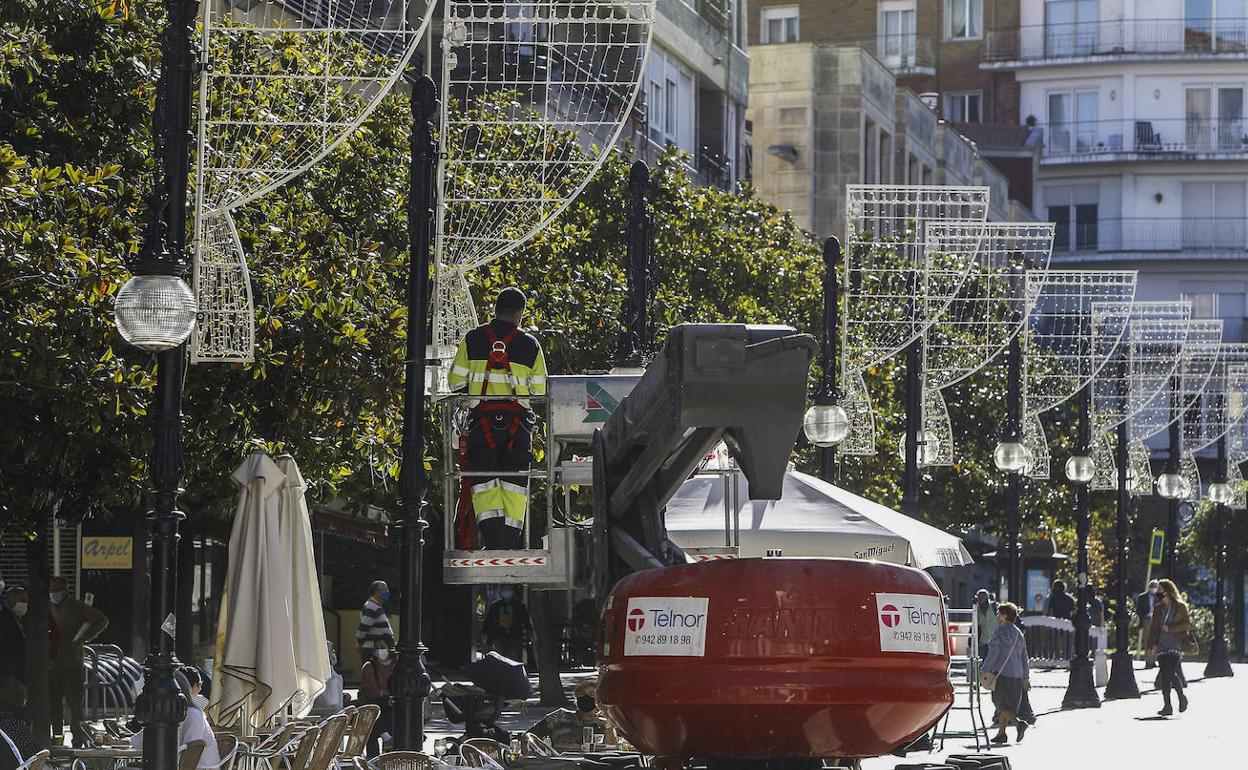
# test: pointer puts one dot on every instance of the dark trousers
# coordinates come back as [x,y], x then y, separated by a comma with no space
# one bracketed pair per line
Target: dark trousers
[65,694]
[502,442]
[1169,675]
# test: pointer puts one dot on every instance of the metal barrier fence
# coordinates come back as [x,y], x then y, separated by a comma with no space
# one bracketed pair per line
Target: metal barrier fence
[1051,644]
[112,682]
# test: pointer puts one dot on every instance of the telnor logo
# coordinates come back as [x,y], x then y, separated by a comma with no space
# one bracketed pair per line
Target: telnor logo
[636,619]
[890,616]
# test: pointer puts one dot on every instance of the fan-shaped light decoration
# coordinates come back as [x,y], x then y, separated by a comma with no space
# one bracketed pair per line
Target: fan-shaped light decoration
[1037,447]
[987,311]
[939,427]
[286,81]
[536,95]
[1220,406]
[860,440]
[1200,355]
[893,287]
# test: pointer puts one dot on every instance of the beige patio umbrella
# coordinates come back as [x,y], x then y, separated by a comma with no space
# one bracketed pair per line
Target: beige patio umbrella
[311,656]
[255,669]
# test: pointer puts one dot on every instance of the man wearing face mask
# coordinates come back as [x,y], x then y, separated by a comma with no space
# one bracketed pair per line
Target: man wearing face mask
[76,624]
[508,626]
[373,621]
[12,635]
[565,728]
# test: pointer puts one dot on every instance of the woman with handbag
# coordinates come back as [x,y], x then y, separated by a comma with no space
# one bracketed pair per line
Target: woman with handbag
[1169,628]
[1005,671]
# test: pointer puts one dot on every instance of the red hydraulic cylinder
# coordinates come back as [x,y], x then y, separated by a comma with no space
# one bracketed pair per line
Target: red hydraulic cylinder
[759,658]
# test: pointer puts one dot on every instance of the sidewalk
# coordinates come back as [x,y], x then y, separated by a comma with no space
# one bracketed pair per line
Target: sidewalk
[1123,734]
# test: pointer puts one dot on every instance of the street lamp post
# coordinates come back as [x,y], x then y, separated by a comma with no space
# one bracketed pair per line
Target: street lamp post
[826,424]
[915,434]
[1122,682]
[634,336]
[155,311]
[410,683]
[1081,689]
[1010,456]
[1172,486]
[1220,493]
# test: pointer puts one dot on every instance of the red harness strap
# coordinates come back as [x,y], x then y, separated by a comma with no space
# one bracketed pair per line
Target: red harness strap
[499,361]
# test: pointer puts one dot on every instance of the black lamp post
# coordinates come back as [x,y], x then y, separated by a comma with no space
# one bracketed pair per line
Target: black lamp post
[1171,485]
[634,341]
[1122,682]
[1220,493]
[914,413]
[826,424]
[410,683]
[1010,456]
[155,311]
[1081,689]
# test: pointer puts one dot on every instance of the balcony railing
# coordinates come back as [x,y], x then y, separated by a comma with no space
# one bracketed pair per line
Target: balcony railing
[1117,37]
[1109,139]
[902,54]
[1152,234]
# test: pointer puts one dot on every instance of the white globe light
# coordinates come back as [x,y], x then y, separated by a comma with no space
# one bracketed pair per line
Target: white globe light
[826,424]
[1010,456]
[1172,486]
[929,450]
[1080,469]
[1221,493]
[155,312]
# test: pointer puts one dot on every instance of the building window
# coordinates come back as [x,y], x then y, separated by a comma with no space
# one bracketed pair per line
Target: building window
[1214,25]
[964,19]
[1072,125]
[1074,211]
[671,101]
[1070,27]
[965,107]
[1214,117]
[896,41]
[1213,216]
[779,24]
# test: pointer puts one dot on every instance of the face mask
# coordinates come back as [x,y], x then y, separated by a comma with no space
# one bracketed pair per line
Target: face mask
[19,609]
[385,596]
[585,703]
[508,594]
[56,597]
[383,655]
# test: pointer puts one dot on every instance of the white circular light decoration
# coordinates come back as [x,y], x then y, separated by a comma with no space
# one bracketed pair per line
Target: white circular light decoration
[826,425]
[929,450]
[155,312]
[1221,493]
[1172,486]
[1080,469]
[1011,456]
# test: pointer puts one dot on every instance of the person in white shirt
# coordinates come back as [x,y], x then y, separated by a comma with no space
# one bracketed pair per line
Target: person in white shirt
[195,726]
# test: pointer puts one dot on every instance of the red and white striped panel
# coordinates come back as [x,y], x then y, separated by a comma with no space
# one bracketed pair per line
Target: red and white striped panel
[712,556]
[518,561]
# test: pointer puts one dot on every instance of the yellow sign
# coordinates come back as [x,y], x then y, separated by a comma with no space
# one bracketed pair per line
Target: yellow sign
[1157,548]
[107,552]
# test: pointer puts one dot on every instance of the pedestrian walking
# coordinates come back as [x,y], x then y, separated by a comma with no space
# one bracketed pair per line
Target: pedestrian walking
[75,624]
[375,688]
[499,359]
[1060,604]
[374,624]
[1008,662]
[1169,628]
[1096,607]
[985,619]
[12,635]
[508,627]
[1144,605]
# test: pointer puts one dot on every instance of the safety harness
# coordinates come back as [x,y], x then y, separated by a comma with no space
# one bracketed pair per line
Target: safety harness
[499,361]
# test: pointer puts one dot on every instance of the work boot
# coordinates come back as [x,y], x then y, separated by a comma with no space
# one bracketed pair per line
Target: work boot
[1182,702]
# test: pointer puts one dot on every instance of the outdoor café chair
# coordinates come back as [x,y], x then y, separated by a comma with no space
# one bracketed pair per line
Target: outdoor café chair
[227,747]
[189,758]
[361,726]
[36,761]
[398,760]
[301,756]
[328,743]
[482,752]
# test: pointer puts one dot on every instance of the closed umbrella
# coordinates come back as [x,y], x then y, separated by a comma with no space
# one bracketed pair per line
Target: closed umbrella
[811,518]
[255,652]
[311,657]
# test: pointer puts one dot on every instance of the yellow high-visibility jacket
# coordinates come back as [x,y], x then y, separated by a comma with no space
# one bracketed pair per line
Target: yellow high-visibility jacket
[528,365]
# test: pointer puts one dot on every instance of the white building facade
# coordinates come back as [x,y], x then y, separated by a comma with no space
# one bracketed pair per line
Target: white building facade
[1145,155]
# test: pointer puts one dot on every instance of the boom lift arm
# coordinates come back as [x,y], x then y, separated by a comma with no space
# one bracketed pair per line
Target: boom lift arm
[743,384]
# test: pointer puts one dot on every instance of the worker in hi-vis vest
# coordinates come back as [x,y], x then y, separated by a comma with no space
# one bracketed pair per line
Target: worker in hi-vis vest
[498,359]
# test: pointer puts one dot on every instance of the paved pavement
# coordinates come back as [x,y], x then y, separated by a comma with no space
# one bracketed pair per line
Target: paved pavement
[1122,734]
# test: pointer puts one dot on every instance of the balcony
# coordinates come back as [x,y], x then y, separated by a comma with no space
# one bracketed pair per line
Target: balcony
[1128,39]
[906,54]
[1164,139]
[1152,235]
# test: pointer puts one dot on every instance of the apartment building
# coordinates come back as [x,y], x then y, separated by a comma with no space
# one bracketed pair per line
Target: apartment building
[1144,159]
[825,116]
